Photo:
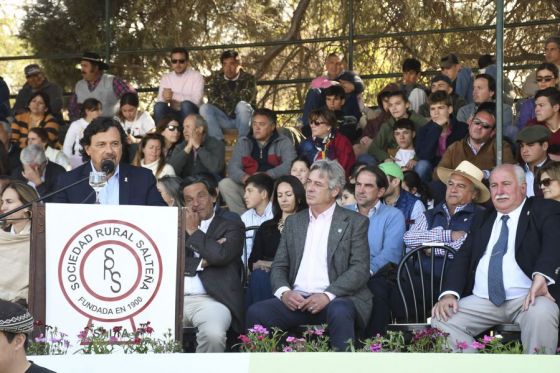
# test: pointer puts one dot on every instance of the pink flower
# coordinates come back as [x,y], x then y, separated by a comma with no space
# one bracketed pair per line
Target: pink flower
[375,347]
[244,339]
[477,345]
[117,329]
[149,330]
[288,349]
[258,329]
[291,339]
[487,339]
[137,340]
[83,334]
[319,331]
[462,345]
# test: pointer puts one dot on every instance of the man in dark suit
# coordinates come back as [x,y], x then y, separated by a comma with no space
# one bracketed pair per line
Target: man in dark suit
[507,270]
[37,171]
[126,185]
[321,268]
[213,290]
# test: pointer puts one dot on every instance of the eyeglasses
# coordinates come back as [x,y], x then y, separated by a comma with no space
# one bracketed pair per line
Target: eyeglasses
[317,122]
[178,61]
[545,182]
[482,124]
[172,128]
[545,79]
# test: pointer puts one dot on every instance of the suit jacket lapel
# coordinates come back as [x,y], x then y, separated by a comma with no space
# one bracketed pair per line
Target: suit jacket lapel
[523,223]
[300,235]
[338,227]
[124,187]
[486,232]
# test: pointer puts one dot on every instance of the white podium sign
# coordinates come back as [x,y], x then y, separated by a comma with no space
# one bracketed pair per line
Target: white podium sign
[110,266]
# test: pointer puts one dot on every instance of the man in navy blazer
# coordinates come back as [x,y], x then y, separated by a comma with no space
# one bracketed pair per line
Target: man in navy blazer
[127,185]
[507,270]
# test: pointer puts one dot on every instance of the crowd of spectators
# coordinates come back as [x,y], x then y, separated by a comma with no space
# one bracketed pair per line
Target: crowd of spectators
[331,215]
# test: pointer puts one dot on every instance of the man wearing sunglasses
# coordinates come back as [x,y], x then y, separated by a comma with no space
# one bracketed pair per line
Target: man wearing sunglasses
[533,146]
[479,147]
[551,55]
[180,90]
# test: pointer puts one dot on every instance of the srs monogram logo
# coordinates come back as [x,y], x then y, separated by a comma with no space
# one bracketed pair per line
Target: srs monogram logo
[110,271]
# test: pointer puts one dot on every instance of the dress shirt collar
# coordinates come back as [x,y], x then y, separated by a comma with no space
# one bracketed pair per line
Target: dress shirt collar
[327,214]
[513,215]
[205,224]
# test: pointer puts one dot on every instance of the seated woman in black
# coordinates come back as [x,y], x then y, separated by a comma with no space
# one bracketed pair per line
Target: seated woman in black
[288,198]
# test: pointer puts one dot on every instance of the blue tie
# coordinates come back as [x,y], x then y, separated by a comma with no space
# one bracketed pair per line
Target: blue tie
[496,290]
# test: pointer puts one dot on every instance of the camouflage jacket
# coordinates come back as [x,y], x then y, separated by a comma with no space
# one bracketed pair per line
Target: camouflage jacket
[220,94]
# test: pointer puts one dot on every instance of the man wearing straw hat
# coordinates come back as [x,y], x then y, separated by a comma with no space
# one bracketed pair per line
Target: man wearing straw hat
[16,323]
[450,221]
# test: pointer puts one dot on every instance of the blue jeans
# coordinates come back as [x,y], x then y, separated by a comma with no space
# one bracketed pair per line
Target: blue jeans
[424,169]
[259,287]
[162,109]
[218,120]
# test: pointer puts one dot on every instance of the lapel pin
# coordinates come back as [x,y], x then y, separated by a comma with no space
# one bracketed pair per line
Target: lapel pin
[339,230]
[528,213]
[126,179]
[465,219]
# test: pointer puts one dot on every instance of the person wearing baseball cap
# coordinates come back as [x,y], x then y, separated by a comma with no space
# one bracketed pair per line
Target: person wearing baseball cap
[37,81]
[106,88]
[441,82]
[16,325]
[410,205]
[533,144]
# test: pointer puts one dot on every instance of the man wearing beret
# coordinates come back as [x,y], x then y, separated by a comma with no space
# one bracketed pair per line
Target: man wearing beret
[533,146]
[16,324]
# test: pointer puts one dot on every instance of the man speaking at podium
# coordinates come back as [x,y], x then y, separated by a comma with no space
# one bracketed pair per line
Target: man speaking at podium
[102,146]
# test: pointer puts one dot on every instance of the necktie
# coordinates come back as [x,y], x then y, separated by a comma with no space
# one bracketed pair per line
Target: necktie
[496,290]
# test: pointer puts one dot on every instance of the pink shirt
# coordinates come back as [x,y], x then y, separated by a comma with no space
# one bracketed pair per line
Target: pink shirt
[187,86]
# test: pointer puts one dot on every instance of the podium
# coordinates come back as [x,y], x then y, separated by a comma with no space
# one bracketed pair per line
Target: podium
[107,266]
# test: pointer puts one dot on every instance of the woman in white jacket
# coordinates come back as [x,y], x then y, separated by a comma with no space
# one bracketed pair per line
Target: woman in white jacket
[91,109]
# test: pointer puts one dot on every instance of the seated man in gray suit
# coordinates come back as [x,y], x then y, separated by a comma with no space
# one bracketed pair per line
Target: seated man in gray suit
[213,291]
[320,271]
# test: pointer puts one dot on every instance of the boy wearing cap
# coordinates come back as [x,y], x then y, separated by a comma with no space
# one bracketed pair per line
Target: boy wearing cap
[410,205]
[36,81]
[442,82]
[16,323]
[533,146]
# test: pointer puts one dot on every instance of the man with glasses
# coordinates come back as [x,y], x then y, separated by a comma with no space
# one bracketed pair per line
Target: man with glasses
[551,55]
[232,95]
[180,91]
[479,147]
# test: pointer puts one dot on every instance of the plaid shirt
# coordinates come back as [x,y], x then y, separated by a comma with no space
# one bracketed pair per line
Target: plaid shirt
[419,234]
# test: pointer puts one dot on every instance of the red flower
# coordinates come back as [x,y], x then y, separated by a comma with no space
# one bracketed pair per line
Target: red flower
[149,329]
[38,323]
[117,329]
[137,340]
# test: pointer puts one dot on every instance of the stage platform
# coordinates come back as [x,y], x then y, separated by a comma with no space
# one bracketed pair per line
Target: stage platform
[300,362]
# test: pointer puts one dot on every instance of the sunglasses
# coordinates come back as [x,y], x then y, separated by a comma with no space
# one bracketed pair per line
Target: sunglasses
[317,122]
[545,182]
[545,79]
[172,128]
[178,61]
[482,124]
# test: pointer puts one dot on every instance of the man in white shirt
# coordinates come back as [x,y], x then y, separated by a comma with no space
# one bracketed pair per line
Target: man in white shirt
[507,270]
[321,268]
[181,90]
[213,291]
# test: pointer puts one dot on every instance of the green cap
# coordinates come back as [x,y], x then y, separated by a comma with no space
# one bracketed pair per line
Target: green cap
[532,134]
[392,169]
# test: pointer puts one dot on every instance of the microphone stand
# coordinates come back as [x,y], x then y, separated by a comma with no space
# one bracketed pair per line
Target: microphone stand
[40,198]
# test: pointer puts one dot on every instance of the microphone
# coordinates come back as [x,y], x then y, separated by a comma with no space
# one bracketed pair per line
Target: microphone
[108,166]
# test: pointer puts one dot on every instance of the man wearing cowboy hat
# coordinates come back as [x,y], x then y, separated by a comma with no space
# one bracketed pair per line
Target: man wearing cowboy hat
[450,221]
[16,323]
[106,88]
[507,269]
